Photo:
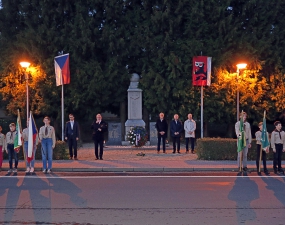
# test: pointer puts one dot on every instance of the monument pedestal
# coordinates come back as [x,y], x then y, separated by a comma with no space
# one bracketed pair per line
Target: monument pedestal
[134,107]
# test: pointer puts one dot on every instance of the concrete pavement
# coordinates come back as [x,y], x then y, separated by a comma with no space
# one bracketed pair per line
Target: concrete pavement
[125,159]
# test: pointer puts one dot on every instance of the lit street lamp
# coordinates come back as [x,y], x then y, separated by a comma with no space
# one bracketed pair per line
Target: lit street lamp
[25,65]
[239,66]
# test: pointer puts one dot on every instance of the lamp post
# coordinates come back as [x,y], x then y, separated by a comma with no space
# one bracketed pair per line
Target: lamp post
[25,65]
[239,66]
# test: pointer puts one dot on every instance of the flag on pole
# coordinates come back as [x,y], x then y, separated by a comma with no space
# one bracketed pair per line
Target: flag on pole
[18,139]
[241,136]
[31,138]
[264,138]
[62,72]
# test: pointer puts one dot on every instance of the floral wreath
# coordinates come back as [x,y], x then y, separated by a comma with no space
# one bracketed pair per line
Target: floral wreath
[137,136]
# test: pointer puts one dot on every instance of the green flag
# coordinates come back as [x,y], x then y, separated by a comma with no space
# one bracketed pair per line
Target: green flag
[241,136]
[18,139]
[264,138]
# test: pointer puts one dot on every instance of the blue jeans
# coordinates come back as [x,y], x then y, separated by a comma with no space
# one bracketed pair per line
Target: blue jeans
[11,152]
[47,153]
[32,163]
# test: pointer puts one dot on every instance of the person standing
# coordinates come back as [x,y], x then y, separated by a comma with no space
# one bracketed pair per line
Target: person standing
[25,136]
[2,147]
[98,127]
[161,127]
[278,146]
[10,138]
[190,127]
[258,149]
[72,136]
[176,129]
[47,138]
[248,138]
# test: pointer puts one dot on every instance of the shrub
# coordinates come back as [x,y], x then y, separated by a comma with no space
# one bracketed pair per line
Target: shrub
[225,149]
[59,152]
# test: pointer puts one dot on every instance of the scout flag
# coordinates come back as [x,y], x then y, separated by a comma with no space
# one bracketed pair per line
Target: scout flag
[201,74]
[18,139]
[31,138]
[241,136]
[62,72]
[264,138]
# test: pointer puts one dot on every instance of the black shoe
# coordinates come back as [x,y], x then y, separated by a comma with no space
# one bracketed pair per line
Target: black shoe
[75,158]
[259,173]
[281,171]
[245,169]
[173,152]
[70,157]
[193,152]
[164,152]
[96,158]
[101,158]
[275,171]
[266,172]
[179,152]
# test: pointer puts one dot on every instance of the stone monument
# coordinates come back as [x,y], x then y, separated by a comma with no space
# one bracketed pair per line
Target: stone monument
[134,106]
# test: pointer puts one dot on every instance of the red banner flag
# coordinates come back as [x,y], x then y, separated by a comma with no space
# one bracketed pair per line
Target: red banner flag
[201,75]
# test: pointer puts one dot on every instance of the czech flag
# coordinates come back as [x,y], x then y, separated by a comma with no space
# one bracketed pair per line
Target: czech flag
[31,138]
[62,72]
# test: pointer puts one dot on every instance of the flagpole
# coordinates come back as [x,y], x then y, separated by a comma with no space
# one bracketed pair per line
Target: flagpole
[62,113]
[202,106]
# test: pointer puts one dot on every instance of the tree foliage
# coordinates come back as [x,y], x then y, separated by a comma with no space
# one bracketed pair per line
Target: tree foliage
[109,40]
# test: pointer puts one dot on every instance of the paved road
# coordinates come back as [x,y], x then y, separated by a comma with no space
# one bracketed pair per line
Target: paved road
[176,199]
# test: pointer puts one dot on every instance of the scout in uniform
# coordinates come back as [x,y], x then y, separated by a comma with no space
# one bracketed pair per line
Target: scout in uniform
[10,138]
[47,138]
[248,137]
[2,147]
[31,164]
[278,146]
[264,151]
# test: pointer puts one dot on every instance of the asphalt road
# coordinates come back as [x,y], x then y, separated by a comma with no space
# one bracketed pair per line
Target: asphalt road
[141,199]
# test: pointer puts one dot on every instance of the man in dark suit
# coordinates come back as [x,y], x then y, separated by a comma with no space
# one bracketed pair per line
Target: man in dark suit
[161,127]
[176,129]
[99,127]
[72,136]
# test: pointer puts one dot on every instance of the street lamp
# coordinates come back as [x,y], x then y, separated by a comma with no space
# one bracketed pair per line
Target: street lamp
[239,66]
[25,65]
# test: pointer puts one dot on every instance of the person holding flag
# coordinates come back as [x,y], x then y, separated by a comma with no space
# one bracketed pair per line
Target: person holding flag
[30,135]
[262,144]
[278,146]
[10,139]
[243,132]
[2,147]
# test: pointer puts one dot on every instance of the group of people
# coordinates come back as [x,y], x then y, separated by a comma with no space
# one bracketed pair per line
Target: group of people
[46,136]
[176,129]
[277,142]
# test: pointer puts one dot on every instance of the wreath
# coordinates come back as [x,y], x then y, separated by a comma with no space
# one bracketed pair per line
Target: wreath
[137,136]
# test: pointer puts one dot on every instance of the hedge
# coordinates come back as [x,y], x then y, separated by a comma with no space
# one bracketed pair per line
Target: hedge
[225,149]
[59,152]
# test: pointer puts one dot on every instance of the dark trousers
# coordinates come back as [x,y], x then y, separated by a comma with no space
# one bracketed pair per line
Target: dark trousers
[163,137]
[98,142]
[192,141]
[11,152]
[277,157]
[263,157]
[176,140]
[72,143]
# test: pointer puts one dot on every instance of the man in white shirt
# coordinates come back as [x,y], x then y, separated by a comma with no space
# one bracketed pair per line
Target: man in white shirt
[190,127]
